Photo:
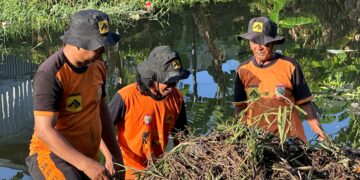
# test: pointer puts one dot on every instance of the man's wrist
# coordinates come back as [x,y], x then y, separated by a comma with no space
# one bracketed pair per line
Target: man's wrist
[109,157]
[83,163]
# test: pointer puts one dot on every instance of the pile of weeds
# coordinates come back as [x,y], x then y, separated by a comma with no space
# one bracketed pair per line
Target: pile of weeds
[241,152]
[234,150]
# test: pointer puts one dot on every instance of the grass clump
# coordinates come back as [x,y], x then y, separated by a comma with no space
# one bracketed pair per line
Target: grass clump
[19,18]
[234,150]
[241,152]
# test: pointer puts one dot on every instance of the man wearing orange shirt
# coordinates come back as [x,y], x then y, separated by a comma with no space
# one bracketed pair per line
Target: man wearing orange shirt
[70,110]
[149,110]
[269,77]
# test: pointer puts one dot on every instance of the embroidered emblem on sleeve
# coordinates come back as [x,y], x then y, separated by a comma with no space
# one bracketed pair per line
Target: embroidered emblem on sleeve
[252,92]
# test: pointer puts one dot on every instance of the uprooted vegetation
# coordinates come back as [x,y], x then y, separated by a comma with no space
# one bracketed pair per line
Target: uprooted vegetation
[234,150]
[239,152]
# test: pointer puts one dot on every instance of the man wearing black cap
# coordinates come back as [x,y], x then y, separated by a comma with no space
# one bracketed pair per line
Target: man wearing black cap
[272,79]
[70,110]
[147,111]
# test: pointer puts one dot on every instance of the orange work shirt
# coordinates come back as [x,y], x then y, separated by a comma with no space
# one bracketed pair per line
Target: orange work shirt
[144,124]
[281,77]
[73,95]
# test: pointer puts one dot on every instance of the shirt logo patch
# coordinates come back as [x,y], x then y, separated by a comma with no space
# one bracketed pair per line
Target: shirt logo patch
[74,103]
[280,90]
[176,64]
[252,92]
[103,26]
[147,120]
[258,27]
[169,118]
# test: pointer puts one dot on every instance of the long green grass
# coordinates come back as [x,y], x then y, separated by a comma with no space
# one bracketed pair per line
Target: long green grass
[19,18]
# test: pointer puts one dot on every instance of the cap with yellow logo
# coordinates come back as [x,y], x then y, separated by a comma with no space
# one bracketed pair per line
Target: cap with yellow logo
[163,65]
[89,29]
[262,30]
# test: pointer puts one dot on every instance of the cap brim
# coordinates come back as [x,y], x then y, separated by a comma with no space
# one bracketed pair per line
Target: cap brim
[177,76]
[261,39]
[239,37]
[169,77]
[90,42]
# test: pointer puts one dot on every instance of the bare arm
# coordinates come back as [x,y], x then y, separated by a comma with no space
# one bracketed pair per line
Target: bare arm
[45,131]
[109,145]
[313,120]
[109,164]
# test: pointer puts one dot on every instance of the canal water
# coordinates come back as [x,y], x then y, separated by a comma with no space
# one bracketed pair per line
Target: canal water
[205,36]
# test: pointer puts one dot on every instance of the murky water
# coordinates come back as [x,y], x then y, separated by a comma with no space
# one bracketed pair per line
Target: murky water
[205,36]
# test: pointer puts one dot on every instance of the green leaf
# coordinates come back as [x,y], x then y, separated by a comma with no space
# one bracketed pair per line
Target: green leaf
[280,127]
[279,5]
[274,16]
[184,90]
[296,21]
[300,110]
[315,64]
[352,68]
[267,118]
[283,123]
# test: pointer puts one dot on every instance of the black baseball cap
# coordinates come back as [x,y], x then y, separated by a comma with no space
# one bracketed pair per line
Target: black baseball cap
[262,30]
[89,29]
[163,65]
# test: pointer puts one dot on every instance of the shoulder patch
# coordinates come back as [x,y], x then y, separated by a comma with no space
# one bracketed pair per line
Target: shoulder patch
[252,92]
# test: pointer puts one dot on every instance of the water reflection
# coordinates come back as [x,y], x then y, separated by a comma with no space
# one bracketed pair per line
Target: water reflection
[7,173]
[15,96]
[15,107]
[13,152]
[16,119]
[331,123]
